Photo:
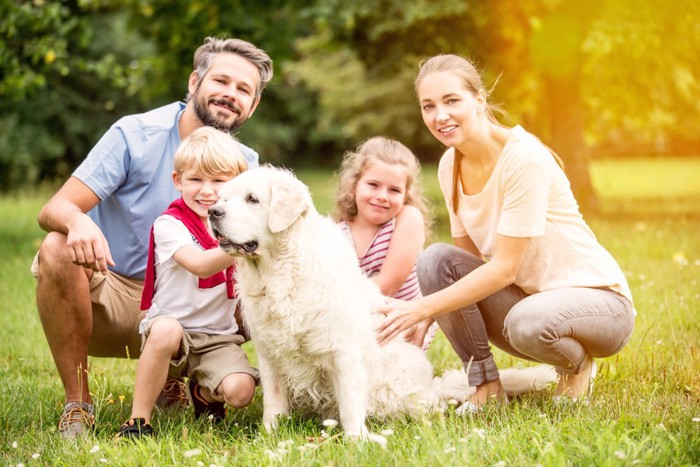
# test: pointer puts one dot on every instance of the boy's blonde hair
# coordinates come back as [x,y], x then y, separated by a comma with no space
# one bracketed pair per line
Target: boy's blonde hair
[355,163]
[211,151]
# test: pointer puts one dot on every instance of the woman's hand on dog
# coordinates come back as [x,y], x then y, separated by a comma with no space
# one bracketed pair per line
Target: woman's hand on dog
[399,316]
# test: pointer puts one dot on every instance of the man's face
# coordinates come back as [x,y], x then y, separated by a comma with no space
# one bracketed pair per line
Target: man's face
[225,97]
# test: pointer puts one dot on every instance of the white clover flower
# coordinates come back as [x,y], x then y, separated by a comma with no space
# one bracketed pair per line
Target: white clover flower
[285,444]
[94,449]
[14,443]
[330,423]
[36,455]
[192,453]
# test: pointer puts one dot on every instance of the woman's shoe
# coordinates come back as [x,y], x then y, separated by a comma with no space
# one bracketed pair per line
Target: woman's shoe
[583,398]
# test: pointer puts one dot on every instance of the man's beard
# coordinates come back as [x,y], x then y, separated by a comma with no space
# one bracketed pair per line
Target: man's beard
[209,118]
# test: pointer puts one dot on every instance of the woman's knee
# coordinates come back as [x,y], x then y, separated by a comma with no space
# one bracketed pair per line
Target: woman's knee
[524,333]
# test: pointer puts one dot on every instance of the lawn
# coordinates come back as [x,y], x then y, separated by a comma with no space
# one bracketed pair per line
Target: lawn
[645,409]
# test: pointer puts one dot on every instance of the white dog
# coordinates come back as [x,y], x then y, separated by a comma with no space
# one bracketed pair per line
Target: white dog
[309,310]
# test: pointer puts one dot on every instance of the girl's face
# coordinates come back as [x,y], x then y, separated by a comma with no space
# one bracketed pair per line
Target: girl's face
[450,111]
[199,191]
[381,192]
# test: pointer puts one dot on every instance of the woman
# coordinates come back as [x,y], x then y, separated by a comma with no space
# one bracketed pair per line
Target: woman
[525,273]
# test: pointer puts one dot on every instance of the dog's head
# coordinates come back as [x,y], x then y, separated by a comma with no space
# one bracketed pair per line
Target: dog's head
[256,206]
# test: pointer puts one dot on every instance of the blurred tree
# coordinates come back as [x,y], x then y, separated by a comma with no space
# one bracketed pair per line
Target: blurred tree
[577,74]
[66,70]
[564,69]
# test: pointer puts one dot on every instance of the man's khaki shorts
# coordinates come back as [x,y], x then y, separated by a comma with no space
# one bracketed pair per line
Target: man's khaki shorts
[116,314]
[207,358]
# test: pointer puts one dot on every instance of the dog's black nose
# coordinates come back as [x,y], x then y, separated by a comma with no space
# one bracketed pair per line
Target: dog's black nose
[216,212]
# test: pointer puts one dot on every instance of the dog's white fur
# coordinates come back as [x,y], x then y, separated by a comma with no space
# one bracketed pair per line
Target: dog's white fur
[309,310]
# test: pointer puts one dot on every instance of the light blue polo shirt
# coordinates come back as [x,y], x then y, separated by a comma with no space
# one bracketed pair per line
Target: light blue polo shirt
[130,169]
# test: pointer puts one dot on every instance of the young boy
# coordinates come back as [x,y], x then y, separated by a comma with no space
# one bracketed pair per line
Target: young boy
[191,328]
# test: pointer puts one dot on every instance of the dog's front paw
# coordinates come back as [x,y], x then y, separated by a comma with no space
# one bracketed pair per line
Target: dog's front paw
[359,434]
[271,422]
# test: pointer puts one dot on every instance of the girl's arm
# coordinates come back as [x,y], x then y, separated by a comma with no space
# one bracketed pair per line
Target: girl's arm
[487,279]
[404,247]
[202,263]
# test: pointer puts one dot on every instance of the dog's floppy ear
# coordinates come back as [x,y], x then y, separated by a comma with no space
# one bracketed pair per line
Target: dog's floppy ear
[289,199]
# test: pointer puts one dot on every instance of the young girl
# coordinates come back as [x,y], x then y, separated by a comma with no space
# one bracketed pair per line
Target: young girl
[548,292]
[380,207]
[191,328]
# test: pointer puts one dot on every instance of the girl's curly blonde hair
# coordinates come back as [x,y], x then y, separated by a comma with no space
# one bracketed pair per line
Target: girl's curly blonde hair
[354,165]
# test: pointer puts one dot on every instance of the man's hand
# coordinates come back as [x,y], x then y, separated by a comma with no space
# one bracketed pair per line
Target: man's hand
[87,246]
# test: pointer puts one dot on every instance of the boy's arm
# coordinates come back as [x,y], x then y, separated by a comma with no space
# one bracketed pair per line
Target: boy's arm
[202,263]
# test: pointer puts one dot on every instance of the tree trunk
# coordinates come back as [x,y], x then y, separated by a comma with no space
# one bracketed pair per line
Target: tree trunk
[566,136]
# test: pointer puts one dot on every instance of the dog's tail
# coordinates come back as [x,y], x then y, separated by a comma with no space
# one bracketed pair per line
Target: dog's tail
[454,385]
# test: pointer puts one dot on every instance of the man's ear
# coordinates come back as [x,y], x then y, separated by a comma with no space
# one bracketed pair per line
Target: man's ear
[193,82]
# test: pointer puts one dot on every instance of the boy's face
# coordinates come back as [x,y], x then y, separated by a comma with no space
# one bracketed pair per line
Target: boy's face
[200,191]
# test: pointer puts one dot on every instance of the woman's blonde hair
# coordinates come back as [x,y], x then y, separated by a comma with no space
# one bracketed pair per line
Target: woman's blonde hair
[211,151]
[355,163]
[471,79]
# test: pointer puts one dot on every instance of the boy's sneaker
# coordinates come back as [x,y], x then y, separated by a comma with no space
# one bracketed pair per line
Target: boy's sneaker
[174,394]
[77,418]
[216,411]
[134,428]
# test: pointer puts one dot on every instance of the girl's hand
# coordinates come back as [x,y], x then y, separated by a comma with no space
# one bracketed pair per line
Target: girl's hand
[400,315]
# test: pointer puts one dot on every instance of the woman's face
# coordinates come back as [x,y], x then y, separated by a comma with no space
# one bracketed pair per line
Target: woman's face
[449,110]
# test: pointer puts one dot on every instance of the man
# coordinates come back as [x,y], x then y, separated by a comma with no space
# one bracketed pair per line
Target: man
[91,264]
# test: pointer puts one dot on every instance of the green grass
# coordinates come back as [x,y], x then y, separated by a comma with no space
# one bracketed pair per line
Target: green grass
[645,402]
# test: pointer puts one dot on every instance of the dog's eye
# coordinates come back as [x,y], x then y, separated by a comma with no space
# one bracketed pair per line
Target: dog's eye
[251,199]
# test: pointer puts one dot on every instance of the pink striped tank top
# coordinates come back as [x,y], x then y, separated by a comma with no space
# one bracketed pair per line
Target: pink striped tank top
[373,259]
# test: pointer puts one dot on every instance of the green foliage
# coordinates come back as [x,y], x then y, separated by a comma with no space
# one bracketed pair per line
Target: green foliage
[66,71]
[608,74]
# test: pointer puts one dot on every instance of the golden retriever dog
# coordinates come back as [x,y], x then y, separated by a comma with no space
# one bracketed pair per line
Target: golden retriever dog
[309,310]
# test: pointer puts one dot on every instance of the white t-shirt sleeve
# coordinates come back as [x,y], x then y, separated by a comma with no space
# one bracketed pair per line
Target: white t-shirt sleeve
[525,186]
[170,235]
